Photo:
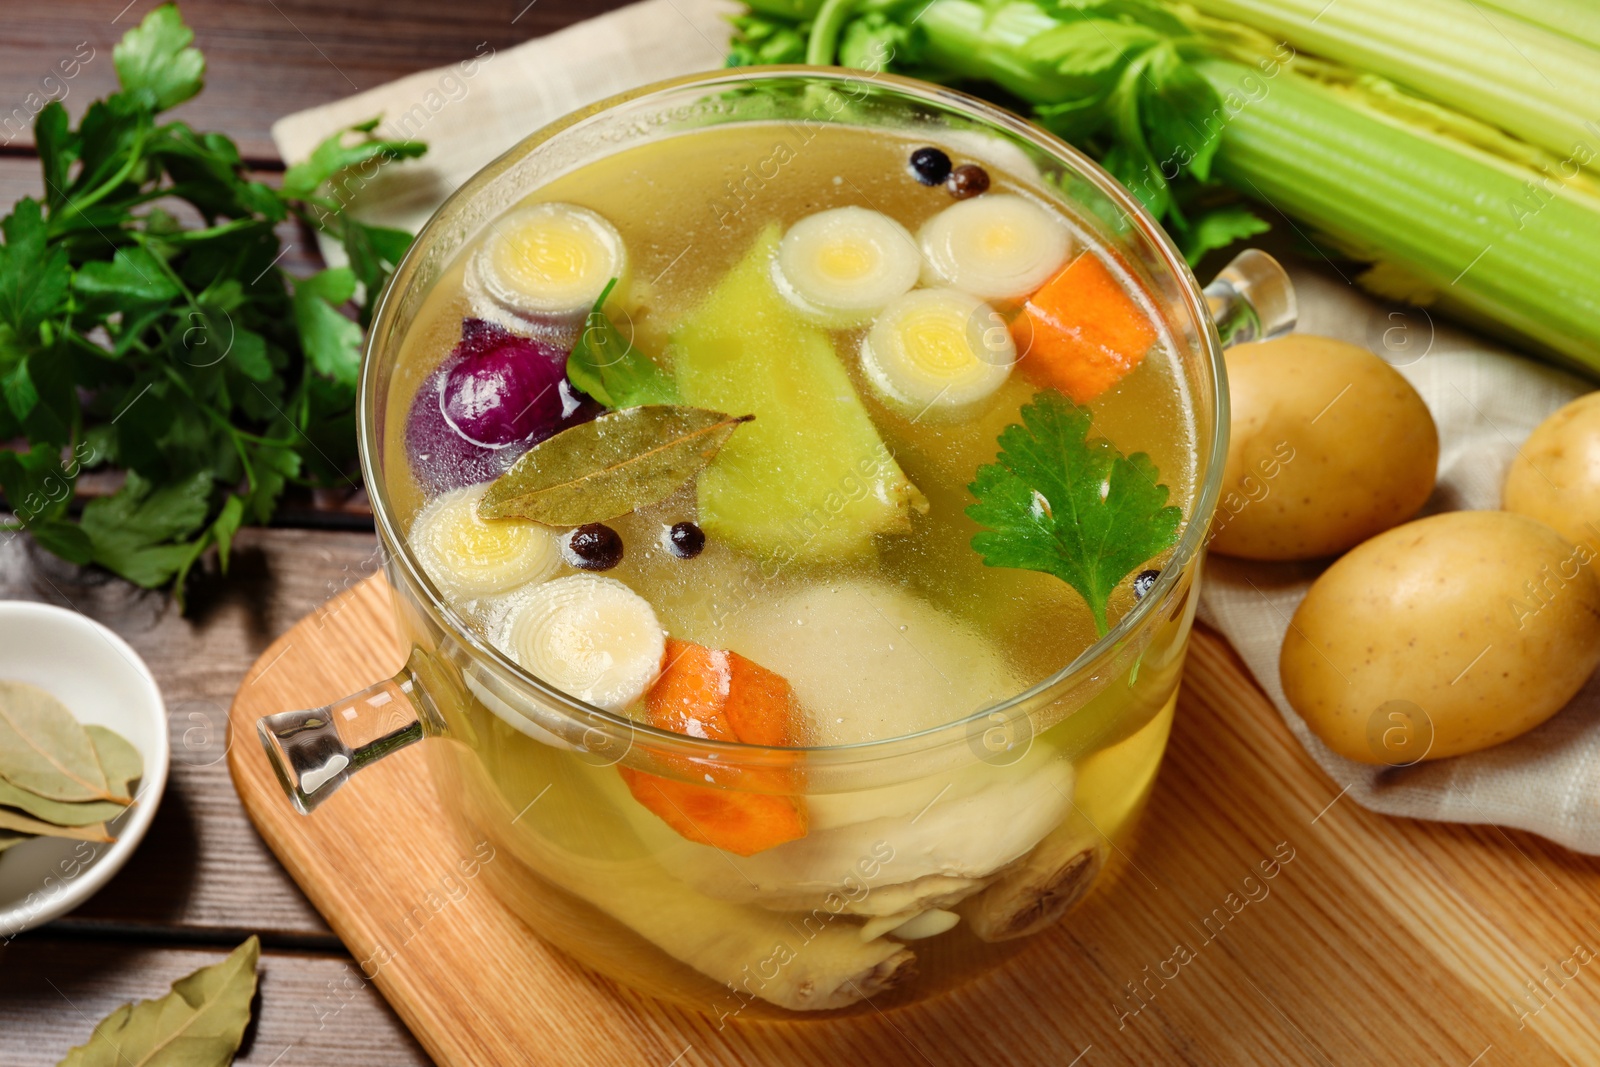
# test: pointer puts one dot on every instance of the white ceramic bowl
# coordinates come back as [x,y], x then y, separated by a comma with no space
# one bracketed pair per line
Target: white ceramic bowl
[96,674]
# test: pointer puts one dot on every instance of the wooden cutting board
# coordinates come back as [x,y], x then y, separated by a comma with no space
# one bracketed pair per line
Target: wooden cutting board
[1378,940]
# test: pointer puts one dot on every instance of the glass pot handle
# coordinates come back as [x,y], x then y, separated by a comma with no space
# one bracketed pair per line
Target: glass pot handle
[314,752]
[1252,299]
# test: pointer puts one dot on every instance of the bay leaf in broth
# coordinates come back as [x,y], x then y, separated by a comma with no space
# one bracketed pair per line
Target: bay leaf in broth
[598,470]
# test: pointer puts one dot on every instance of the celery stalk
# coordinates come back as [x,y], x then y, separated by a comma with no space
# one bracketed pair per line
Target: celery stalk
[1575,19]
[1463,224]
[1522,77]
[989,41]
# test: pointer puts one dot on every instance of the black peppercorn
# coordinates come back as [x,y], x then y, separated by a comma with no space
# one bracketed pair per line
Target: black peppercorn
[686,539]
[968,180]
[930,166]
[1142,583]
[594,547]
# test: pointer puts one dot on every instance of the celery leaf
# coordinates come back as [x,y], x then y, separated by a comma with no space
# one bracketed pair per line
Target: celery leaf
[758,41]
[1217,228]
[1181,115]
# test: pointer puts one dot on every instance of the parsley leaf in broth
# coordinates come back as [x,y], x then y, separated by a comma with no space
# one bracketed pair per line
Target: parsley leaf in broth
[1058,501]
[607,365]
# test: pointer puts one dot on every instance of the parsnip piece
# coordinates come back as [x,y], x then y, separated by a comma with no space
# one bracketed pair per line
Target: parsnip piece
[1039,889]
[870,660]
[910,925]
[820,959]
[919,894]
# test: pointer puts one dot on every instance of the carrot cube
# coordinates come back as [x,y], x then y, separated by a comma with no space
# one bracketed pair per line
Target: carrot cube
[1081,332]
[721,696]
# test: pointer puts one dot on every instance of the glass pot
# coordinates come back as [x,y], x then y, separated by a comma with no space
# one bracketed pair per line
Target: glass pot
[930,857]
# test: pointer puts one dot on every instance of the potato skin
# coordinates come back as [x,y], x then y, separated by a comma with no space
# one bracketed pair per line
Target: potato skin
[1556,475]
[1328,446]
[1488,622]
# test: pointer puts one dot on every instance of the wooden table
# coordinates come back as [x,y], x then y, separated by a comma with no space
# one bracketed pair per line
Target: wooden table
[203,880]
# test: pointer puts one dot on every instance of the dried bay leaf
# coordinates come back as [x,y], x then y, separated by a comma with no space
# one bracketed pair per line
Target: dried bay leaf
[118,759]
[59,812]
[599,470]
[44,749]
[15,820]
[199,1024]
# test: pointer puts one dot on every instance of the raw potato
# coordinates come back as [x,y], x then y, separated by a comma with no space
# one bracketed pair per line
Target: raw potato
[1329,445]
[1444,636]
[1556,475]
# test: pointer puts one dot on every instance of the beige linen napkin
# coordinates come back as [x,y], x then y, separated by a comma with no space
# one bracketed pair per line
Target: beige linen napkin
[1484,400]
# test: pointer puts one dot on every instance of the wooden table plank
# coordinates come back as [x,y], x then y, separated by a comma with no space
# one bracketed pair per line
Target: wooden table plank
[19,177]
[202,871]
[310,1009]
[264,59]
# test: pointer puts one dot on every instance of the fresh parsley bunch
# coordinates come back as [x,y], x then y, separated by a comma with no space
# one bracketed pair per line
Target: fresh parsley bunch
[145,324]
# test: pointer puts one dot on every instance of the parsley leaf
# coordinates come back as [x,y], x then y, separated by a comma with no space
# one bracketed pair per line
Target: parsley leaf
[132,530]
[155,62]
[332,342]
[36,486]
[606,365]
[52,139]
[33,278]
[328,159]
[133,276]
[374,253]
[1058,501]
